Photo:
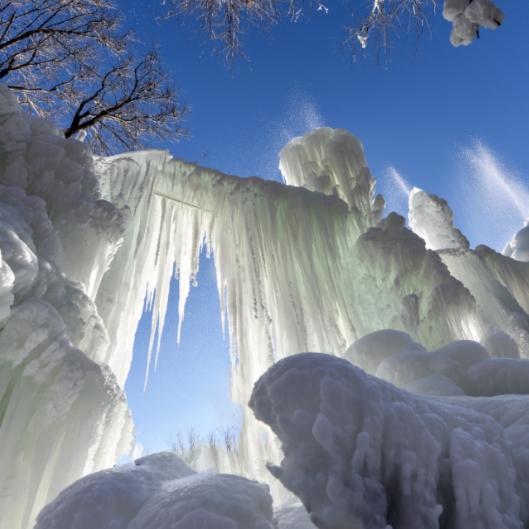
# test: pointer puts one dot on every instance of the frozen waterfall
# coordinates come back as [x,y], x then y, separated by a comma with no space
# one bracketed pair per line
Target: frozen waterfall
[308,266]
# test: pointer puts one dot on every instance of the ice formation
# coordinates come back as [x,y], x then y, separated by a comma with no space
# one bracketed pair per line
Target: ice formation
[468,15]
[159,491]
[360,452]
[310,265]
[62,412]
[270,241]
[518,245]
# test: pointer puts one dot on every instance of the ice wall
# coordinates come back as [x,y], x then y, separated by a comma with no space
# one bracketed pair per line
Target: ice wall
[62,413]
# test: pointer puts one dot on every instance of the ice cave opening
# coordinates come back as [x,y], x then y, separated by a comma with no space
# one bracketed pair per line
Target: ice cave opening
[382,370]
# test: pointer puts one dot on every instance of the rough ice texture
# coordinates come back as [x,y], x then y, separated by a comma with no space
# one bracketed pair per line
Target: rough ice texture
[62,413]
[360,452]
[159,491]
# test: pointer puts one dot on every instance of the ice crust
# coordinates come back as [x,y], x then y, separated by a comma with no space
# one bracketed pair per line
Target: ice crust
[360,452]
[159,491]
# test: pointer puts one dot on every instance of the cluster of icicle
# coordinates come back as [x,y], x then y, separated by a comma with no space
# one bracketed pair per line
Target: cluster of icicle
[307,266]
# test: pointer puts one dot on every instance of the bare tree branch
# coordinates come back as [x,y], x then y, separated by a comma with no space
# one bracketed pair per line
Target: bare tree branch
[225,21]
[71,61]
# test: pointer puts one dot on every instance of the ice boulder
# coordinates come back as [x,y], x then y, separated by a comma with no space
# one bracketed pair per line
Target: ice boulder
[369,351]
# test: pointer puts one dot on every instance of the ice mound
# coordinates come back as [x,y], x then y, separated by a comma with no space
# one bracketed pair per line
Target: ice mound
[159,491]
[360,452]
[462,367]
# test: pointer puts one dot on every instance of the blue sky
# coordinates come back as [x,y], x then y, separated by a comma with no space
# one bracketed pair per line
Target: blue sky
[418,112]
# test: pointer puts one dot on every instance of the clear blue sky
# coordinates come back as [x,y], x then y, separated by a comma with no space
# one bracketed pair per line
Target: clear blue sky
[417,112]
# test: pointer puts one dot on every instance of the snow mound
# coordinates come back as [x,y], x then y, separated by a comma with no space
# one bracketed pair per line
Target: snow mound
[159,491]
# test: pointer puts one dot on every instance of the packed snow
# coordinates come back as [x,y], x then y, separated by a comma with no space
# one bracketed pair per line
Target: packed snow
[421,424]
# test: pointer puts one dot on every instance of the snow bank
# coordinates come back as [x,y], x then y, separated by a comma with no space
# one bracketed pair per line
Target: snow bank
[360,452]
[159,491]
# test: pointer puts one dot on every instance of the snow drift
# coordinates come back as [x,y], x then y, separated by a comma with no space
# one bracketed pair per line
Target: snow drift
[159,491]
